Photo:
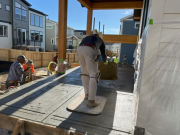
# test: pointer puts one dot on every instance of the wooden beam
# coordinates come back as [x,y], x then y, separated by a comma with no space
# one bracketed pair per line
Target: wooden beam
[129,39]
[62,29]
[34,128]
[89,22]
[117,5]
[86,3]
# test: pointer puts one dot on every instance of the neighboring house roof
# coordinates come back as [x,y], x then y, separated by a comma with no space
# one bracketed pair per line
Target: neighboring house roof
[71,36]
[80,33]
[57,23]
[27,3]
[39,12]
[125,18]
[83,31]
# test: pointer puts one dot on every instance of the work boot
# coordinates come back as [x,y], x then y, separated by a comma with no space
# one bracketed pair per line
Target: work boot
[92,103]
[86,96]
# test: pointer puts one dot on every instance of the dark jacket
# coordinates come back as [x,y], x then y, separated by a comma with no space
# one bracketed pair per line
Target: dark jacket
[97,42]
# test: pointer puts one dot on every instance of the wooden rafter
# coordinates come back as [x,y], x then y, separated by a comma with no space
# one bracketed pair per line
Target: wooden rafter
[86,3]
[117,5]
[129,39]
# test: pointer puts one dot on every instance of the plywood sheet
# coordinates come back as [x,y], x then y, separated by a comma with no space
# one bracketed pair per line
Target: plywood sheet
[80,105]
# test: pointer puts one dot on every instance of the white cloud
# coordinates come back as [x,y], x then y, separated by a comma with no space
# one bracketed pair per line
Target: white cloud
[128,12]
[111,31]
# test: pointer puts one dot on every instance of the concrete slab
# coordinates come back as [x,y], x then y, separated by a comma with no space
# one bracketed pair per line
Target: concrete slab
[46,100]
[80,105]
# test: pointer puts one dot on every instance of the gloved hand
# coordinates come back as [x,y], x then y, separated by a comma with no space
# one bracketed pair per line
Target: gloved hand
[106,63]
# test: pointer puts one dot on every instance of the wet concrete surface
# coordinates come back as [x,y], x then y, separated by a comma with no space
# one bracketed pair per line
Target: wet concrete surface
[46,101]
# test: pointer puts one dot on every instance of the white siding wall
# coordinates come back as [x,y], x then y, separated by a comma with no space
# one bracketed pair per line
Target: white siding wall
[159,98]
[39,29]
[6,42]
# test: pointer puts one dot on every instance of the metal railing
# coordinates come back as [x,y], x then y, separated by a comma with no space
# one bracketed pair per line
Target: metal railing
[20,42]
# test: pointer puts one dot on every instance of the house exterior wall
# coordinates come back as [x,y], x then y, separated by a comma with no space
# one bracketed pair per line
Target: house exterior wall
[39,29]
[157,86]
[19,23]
[128,28]
[6,42]
[6,16]
[6,20]
[50,34]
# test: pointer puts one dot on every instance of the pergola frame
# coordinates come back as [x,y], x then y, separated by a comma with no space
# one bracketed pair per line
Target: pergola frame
[108,4]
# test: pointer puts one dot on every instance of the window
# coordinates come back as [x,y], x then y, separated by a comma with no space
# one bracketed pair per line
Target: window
[21,13]
[72,32]
[37,37]
[23,8]
[7,8]
[41,22]
[17,5]
[18,13]
[52,41]
[136,25]
[41,36]
[32,19]
[36,20]
[24,14]
[0,5]
[32,35]
[145,16]
[49,27]
[3,31]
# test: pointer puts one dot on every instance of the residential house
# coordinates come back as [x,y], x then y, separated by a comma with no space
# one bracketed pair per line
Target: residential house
[114,47]
[37,29]
[15,29]
[52,36]
[80,34]
[20,19]
[128,27]
[5,24]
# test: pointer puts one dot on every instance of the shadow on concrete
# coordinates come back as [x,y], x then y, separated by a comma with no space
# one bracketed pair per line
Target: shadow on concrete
[109,122]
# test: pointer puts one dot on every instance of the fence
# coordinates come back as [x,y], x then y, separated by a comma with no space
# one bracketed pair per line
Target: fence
[40,59]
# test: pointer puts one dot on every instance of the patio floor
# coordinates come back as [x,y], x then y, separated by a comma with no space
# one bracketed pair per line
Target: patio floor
[46,101]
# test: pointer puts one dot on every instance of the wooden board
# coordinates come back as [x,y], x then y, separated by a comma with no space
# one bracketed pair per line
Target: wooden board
[128,39]
[80,105]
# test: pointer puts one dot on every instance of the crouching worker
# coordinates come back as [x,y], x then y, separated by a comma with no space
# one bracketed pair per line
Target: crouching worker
[87,53]
[51,68]
[28,65]
[16,72]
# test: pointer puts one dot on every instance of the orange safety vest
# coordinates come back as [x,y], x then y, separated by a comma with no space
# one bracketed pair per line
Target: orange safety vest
[25,66]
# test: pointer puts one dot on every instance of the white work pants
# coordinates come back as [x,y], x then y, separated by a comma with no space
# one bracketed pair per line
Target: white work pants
[89,70]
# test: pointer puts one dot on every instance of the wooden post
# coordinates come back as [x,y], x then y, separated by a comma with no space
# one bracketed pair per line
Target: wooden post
[74,57]
[68,57]
[9,55]
[89,22]
[19,128]
[62,29]
[41,59]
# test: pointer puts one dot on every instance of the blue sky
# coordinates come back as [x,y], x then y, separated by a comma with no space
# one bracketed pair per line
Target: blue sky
[77,16]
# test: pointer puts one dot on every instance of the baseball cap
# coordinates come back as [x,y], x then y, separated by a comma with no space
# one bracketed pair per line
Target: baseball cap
[22,57]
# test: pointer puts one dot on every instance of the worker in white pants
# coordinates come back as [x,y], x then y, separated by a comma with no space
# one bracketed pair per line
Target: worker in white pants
[87,53]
